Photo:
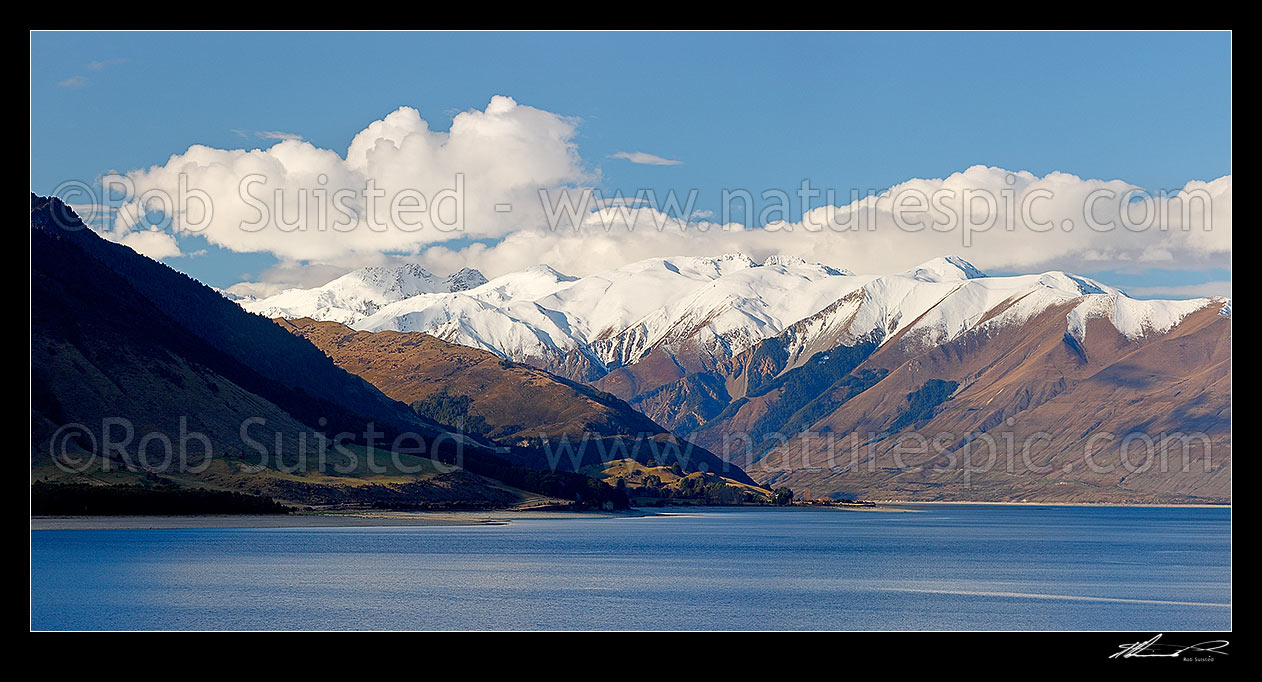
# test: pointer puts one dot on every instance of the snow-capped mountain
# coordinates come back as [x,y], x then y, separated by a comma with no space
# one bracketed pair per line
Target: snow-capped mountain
[539,315]
[465,279]
[359,294]
[942,300]
[945,269]
[704,311]
[726,347]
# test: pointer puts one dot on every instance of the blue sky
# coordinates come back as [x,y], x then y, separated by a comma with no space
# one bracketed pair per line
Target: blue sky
[846,110]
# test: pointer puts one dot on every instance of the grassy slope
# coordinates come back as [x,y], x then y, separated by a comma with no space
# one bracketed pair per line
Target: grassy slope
[518,404]
[635,474]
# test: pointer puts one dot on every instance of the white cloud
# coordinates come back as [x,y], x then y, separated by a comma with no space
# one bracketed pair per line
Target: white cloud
[73,82]
[291,275]
[152,242]
[871,236]
[645,159]
[508,153]
[616,233]
[498,157]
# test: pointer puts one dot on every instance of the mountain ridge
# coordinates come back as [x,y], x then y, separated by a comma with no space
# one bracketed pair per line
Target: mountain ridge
[585,328]
[712,348]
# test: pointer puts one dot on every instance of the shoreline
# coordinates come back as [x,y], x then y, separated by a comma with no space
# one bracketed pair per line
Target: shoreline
[379,519]
[348,519]
[1059,504]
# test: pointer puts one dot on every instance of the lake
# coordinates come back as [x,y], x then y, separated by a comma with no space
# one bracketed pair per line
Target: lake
[957,567]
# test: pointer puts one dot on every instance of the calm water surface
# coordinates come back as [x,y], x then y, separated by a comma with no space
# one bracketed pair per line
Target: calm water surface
[945,567]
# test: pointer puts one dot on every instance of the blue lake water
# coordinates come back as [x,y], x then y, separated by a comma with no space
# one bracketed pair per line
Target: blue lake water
[944,567]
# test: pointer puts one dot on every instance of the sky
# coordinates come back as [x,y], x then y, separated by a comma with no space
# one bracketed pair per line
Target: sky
[519,113]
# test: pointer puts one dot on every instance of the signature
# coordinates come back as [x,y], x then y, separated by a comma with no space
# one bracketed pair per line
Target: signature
[1151,649]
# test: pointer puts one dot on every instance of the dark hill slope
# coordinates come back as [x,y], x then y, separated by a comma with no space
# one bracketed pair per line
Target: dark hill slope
[108,357]
[252,340]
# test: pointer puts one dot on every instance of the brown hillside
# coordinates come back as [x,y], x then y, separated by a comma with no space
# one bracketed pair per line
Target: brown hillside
[503,401]
[517,401]
[1030,385]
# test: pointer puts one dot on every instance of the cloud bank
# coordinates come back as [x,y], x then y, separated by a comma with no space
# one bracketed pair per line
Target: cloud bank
[502,158]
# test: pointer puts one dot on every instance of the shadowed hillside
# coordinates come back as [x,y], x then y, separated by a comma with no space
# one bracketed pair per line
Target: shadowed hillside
[131,386]
[504,401]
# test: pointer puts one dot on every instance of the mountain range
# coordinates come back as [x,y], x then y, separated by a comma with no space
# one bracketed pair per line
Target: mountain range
[716,378]
[773,365]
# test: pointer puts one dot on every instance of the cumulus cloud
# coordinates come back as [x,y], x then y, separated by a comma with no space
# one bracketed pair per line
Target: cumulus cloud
[1004,219]
[1055,221]
[151,242]
[296,275]
[871,236]
[399,186]
[645,159]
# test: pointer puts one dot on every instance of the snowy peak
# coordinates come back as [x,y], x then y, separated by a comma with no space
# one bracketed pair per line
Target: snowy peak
[715,265]
[530,284]
[1135,319]
[361,293]
[1063,281]
[465,279]
[738,258]
[397,281]
[780,259]
[921,312]
[945,269]
[548,272]
[799,262]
